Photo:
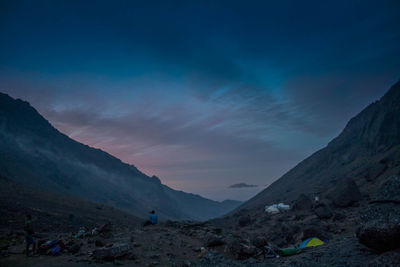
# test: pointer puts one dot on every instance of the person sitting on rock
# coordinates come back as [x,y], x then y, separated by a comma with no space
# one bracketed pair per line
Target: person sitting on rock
[153,219]
[29,235]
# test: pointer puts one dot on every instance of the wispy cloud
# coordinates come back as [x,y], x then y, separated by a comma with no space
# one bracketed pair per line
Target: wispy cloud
[242,185]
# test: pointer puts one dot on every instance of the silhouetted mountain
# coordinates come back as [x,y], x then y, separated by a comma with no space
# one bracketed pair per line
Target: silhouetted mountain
[367,150]
[34,153]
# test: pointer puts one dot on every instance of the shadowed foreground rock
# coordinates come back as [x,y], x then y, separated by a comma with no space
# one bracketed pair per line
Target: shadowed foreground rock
[389,190]
[380,229]
[244,221]
[386,259]
[323,211]
[214,240]
[346,193]
[303,202]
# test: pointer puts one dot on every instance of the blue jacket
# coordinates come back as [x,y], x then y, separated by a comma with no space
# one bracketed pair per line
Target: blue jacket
[154,218]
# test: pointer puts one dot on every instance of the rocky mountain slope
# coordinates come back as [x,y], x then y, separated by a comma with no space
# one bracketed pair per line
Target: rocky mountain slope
[367,151]
[54,212]
[34,153]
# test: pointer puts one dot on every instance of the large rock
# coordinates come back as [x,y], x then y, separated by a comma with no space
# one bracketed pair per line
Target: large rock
[240,250]
[214,241]
[389,190]
[245,220]
[380,227]
[303,202]
[345,193]
[260,241]
[323,211]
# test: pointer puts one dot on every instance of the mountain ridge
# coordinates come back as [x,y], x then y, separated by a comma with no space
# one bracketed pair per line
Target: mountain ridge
[35,153]
[369,142]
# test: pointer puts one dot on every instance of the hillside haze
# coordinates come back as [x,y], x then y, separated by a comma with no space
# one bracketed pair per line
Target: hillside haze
[34,153]
[367,151]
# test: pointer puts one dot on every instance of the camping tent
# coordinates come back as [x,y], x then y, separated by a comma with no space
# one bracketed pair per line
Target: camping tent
[276,208]
[311,242]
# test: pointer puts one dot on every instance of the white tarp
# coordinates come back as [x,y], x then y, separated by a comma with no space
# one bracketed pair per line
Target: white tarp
[276,208]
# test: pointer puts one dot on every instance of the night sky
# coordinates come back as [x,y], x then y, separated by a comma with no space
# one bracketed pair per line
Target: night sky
[203,94]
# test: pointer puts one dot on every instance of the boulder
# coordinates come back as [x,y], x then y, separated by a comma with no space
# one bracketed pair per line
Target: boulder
[389,190]
[214,241]
[244,221]
[303,202]
[323,211]
[248,251]
[240,250]
[345,193]
[260,241]
[380,227]
[380,221]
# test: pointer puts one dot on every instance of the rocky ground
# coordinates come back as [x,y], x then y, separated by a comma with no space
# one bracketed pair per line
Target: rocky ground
[184,244]
[356,232]
[149,246]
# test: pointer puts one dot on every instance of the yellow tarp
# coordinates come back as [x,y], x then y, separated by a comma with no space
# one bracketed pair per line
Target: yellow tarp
[314,242]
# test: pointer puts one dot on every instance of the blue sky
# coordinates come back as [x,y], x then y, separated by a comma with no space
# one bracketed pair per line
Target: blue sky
[203,94]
